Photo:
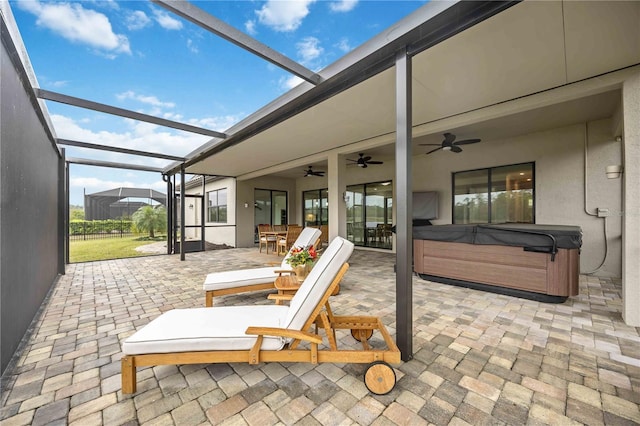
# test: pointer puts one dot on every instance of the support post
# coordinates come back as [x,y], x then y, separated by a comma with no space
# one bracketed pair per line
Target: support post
[337,207]
[170,217]
[182,212]
[404,249]
[202,213]
[63,219]
[631,201]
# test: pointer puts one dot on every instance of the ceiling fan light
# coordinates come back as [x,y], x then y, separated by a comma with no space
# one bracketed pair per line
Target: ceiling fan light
[446,148]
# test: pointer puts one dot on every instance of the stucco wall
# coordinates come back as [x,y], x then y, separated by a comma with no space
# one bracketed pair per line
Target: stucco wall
[559,167]
[559,156]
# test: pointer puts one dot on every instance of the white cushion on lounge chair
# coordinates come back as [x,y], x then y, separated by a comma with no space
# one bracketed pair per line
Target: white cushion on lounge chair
[243,277]
[319,279]
[207,329]
[223,327]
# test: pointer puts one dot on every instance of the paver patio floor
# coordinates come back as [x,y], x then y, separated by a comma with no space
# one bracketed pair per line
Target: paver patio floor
[479,358]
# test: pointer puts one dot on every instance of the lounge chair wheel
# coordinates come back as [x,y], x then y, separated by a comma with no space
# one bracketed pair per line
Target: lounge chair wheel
[356,333]
[380,378]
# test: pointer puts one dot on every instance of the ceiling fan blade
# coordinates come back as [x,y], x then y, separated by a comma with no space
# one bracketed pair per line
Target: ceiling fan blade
[434,150]
[365,159]
[456,149]
[448,139]
[467,141]
[375,162]
[363,165]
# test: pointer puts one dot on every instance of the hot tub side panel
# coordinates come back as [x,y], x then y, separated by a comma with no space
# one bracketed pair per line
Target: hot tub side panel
[502,266]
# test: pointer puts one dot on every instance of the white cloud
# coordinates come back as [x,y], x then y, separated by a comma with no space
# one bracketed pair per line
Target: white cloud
[343,5]
[344,45]
[309,49]
[250,27]
[77,24]
[95,184]
[150,100]
[166,21]
[137,135]
[283,15]
[288,83]
[137,20]
[141,136]
[191,46]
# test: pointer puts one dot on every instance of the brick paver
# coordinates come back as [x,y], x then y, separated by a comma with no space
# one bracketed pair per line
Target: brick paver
[479,358]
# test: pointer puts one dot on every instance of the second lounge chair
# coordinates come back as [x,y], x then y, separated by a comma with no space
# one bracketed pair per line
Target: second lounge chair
[242,280]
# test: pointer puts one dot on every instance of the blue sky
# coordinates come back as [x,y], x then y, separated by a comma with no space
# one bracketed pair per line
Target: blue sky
[138,56]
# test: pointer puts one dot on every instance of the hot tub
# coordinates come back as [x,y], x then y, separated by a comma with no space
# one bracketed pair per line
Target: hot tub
[540,262]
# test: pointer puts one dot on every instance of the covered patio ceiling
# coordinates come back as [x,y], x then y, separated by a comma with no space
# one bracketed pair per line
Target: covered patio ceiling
[502,77]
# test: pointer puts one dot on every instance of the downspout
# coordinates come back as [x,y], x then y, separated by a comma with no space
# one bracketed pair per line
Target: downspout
[586,210]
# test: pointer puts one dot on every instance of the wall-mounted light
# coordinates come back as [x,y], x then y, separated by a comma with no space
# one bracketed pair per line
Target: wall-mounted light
[345,197]
[614,171]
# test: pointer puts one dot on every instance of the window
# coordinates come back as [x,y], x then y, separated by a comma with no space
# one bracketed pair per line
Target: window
[496,195]
[217,208]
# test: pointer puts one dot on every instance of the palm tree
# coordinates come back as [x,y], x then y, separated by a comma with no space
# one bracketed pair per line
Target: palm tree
[148,218]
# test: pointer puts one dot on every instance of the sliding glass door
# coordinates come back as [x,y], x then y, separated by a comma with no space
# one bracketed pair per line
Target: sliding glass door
[316,207]
[369,214]
[270,207]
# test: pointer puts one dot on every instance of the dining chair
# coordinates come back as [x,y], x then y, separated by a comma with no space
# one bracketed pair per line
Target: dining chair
[266,239]
[285,243]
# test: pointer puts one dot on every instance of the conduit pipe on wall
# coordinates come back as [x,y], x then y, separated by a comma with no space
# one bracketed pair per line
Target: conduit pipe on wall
[586,209]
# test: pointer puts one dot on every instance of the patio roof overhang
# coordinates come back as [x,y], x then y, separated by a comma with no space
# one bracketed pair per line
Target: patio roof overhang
[501,77]
[365,66]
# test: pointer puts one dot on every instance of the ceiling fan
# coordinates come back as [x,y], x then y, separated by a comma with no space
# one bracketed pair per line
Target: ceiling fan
[364,162]
[311,172]
[448,144]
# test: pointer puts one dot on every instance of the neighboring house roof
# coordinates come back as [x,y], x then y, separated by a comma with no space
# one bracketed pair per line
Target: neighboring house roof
[119,193]
[98,205]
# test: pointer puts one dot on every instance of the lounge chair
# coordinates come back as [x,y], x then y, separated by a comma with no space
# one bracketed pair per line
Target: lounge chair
[266,333]
[240,281]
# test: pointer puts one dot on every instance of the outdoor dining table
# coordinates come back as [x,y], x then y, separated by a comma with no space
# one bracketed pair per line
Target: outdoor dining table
[275,234]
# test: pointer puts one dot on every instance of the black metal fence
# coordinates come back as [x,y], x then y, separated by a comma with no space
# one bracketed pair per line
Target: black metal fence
[99,229]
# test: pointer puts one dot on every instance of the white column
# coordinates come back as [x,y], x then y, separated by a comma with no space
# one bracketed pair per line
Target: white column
[337,187]
[631,202]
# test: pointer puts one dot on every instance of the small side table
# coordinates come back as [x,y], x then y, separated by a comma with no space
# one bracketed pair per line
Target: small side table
[287,285]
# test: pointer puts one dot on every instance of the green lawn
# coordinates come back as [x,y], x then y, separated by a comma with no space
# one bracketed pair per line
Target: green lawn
[108,248]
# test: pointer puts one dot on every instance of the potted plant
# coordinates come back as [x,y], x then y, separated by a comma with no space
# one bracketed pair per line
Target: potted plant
[301,261]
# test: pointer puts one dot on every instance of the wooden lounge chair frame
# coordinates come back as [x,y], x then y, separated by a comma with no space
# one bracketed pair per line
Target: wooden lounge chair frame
[379,377]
